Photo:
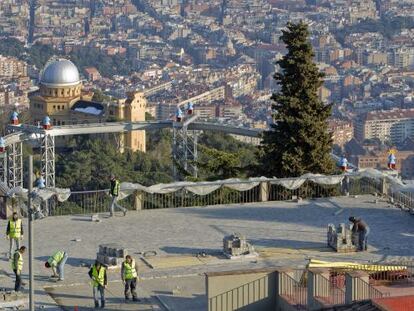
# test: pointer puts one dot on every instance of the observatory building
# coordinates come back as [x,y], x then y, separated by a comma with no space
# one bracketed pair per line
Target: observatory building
[61,97]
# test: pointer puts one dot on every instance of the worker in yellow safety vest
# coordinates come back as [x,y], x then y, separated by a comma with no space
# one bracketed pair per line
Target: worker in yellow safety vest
[17,266]
[129,275]
[57,263]
[99,282]
[14,232]
[114,193]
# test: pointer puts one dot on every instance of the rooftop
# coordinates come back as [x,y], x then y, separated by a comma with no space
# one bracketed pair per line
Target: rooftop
[284,234]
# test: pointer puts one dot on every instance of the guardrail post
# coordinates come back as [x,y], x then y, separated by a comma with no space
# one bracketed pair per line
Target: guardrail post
[384,186]
[264,191]
[316,287]
[353,289]
[138,200]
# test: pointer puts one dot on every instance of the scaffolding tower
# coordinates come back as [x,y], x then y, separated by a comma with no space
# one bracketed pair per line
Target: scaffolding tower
[15,164]
[48,160]
[3,168]
[184,149]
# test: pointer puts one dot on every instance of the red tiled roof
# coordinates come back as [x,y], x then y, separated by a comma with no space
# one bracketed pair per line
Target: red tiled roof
[401,303]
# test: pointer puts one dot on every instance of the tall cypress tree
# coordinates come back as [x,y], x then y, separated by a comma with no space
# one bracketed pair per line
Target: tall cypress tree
[299,141]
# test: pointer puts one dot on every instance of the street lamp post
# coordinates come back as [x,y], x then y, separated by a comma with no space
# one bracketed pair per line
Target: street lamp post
[30,216]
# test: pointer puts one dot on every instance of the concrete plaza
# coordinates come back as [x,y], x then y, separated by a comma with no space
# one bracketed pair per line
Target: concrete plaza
[284,233]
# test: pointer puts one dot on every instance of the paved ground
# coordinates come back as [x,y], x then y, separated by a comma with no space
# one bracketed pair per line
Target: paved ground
[291,232]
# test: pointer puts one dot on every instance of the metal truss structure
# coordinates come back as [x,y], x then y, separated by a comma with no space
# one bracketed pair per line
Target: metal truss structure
[15,164]
[3,168]
[184,144]
[185,149]
[48,160]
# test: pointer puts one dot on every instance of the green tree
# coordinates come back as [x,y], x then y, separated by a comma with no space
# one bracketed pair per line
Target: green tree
[299,141]
[216,164]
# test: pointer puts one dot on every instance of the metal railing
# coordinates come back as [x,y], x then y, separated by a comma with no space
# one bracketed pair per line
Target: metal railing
[367,291]
[293,291]
[405,199]
[241,296]
[90,202]
[328,292]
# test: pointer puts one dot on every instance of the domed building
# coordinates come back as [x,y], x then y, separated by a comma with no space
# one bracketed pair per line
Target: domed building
[60,97]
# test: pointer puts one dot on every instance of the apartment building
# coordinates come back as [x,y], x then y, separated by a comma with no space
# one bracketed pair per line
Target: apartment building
[386,125]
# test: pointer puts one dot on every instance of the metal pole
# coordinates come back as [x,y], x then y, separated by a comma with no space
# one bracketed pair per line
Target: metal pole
[30,216]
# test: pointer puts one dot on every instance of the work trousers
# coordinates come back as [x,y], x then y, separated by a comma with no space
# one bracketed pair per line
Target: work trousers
[15,241]
[18,283]
[61,266]
[114,205]
[363,239]
[131,285]
[101,291]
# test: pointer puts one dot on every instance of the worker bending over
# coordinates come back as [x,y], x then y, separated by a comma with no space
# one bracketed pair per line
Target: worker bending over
[57,263]
[362,229]
[14,233]
[129,275]
[114,193]
[99,282]
[17,266]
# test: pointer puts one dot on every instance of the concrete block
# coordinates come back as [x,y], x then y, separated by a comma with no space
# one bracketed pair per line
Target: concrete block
[95,218]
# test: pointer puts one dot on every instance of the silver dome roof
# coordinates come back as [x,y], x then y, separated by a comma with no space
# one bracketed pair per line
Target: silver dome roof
[60,72]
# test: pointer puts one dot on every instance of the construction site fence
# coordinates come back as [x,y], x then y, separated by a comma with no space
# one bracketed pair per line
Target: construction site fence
[98,201]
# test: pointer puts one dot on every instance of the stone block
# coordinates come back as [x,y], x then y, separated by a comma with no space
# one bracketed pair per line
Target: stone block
[341,239]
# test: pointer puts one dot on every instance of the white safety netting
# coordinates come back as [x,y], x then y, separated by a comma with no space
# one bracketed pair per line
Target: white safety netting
[39,196]
[295,183]
[198,188]
[204,188]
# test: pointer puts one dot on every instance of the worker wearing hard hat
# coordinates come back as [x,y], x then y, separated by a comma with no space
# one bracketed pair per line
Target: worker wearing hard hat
[362,229]
[57,262]
[114,193]
[14,232]
[129,275]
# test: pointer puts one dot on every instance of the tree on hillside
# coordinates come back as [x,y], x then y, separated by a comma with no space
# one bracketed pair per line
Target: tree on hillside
[299,141]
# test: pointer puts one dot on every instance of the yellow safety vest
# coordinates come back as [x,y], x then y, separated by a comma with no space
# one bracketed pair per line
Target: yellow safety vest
[117,186]
[98,278]
[129,270]
[15,228]
[56,258]
[19,266]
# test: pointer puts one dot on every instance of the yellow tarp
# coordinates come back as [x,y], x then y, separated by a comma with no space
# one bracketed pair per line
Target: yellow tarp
[313,263]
